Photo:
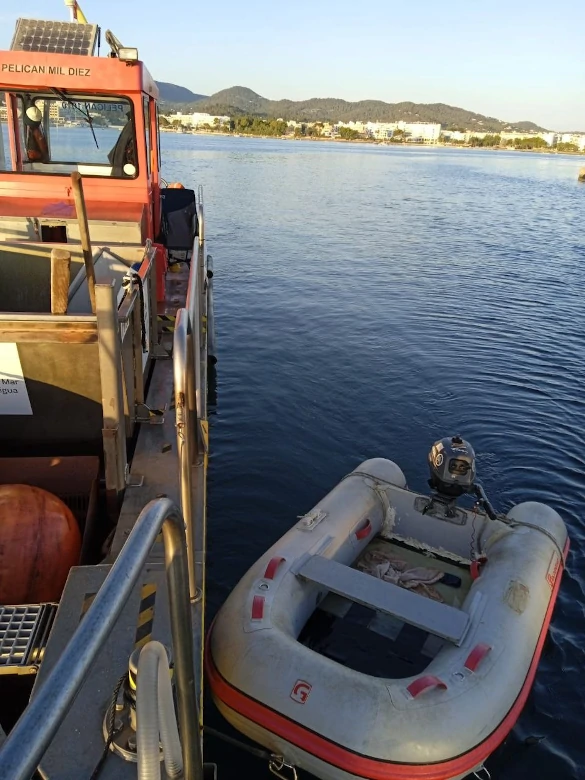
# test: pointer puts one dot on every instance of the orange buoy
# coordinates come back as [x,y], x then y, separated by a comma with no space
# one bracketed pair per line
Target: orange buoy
[39,542]
[176,185]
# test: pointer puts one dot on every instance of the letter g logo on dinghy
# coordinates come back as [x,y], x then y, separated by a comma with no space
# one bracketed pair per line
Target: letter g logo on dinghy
[300,692]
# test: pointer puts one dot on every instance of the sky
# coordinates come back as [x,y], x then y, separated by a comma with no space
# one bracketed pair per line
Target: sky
[511,60]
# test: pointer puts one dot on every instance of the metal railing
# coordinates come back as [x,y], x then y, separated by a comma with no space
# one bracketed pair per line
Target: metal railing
[31,736]
[187,424]
[200,214]
[188,352]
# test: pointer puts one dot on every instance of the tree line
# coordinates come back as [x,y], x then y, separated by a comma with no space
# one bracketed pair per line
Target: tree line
[254,125]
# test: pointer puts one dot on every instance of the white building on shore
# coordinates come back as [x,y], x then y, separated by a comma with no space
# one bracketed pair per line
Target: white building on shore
[415,132]
[573,138]
[196,120]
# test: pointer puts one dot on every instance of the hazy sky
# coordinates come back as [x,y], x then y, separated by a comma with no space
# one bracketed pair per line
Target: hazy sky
[515,60]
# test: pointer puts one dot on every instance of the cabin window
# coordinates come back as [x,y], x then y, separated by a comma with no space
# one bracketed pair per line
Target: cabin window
[65,132]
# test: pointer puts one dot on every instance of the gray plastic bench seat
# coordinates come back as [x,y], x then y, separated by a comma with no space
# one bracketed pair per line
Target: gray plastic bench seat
[439,619]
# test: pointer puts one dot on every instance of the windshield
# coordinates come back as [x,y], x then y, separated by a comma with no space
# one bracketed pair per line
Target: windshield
[63,132]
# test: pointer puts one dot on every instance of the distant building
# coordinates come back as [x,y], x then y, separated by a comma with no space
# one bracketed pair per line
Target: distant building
[573,138]
[427,132]
[381,130]
[551,138]
[196,120]
[456,135]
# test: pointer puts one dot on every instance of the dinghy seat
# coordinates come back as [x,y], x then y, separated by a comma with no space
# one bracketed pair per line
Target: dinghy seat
[439,619]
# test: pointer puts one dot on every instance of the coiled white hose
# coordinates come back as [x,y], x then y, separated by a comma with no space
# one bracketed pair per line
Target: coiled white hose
[155,714]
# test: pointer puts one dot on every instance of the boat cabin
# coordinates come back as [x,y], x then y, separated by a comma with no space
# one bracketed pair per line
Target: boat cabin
[61,113]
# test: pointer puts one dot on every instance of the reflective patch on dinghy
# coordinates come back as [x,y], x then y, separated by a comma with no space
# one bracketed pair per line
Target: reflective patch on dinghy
[517,596]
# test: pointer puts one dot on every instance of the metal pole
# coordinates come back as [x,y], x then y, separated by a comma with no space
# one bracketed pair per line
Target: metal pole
[211,342]
[77,185]
[182,631]
[31,736]
[193,306]
[186,422]
[201,214]
[110,360]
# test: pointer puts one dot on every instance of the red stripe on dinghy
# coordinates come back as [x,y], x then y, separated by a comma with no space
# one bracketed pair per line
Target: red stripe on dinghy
[365,531]
[476,656]
[272,568]
[425,683]
[364,766]
[258,608]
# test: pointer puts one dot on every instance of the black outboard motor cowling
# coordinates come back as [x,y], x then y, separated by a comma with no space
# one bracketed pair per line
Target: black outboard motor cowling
[452,467]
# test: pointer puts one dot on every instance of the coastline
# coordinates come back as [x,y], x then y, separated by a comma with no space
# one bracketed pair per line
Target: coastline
[375,142]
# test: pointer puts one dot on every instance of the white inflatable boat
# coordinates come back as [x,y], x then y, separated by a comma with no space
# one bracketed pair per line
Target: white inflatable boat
[462,598]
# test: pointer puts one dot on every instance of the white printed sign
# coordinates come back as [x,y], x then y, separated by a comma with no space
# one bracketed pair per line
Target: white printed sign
[13,393]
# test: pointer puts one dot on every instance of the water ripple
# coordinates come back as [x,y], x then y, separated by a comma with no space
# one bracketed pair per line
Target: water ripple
[370,300]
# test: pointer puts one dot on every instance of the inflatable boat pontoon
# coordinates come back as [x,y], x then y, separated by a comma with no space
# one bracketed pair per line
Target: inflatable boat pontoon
[457,601]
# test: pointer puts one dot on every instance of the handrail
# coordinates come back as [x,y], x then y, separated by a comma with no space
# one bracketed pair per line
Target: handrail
[192,305]
[186,424]
[200,215]
[31,736]
[189,400]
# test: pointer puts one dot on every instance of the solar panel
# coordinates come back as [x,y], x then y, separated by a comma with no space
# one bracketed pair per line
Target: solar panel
[54,37]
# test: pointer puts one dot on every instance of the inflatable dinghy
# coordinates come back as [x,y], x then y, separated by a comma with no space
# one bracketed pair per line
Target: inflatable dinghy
[447,607]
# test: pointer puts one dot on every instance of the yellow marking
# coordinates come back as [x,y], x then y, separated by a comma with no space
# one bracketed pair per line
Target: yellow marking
[147,590]
[145,618]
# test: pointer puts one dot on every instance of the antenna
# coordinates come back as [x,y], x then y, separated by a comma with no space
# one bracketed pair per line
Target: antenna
[72,5]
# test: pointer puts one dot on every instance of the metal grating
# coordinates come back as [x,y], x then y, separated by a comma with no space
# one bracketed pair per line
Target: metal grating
[23,633]
[54,37]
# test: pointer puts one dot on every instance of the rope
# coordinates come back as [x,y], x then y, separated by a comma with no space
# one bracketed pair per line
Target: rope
[513,523]
[263,754]
[503,518]
[111,731]
[138,281]
[370,476]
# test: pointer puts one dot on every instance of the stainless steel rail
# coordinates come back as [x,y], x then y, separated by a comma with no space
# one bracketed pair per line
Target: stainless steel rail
[30,737]
[200,214]
[187,423]
[188,353]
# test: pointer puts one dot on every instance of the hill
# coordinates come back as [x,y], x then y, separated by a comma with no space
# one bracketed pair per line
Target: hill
[171,93]
[241,100]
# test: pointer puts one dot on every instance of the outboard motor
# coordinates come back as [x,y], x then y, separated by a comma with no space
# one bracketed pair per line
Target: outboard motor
[452,467]
[453,474]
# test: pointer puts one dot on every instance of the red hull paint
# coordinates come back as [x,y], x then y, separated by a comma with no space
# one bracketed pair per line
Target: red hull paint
[360,765]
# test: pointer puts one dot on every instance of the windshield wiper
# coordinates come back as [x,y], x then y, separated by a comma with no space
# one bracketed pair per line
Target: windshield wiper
[85,114]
